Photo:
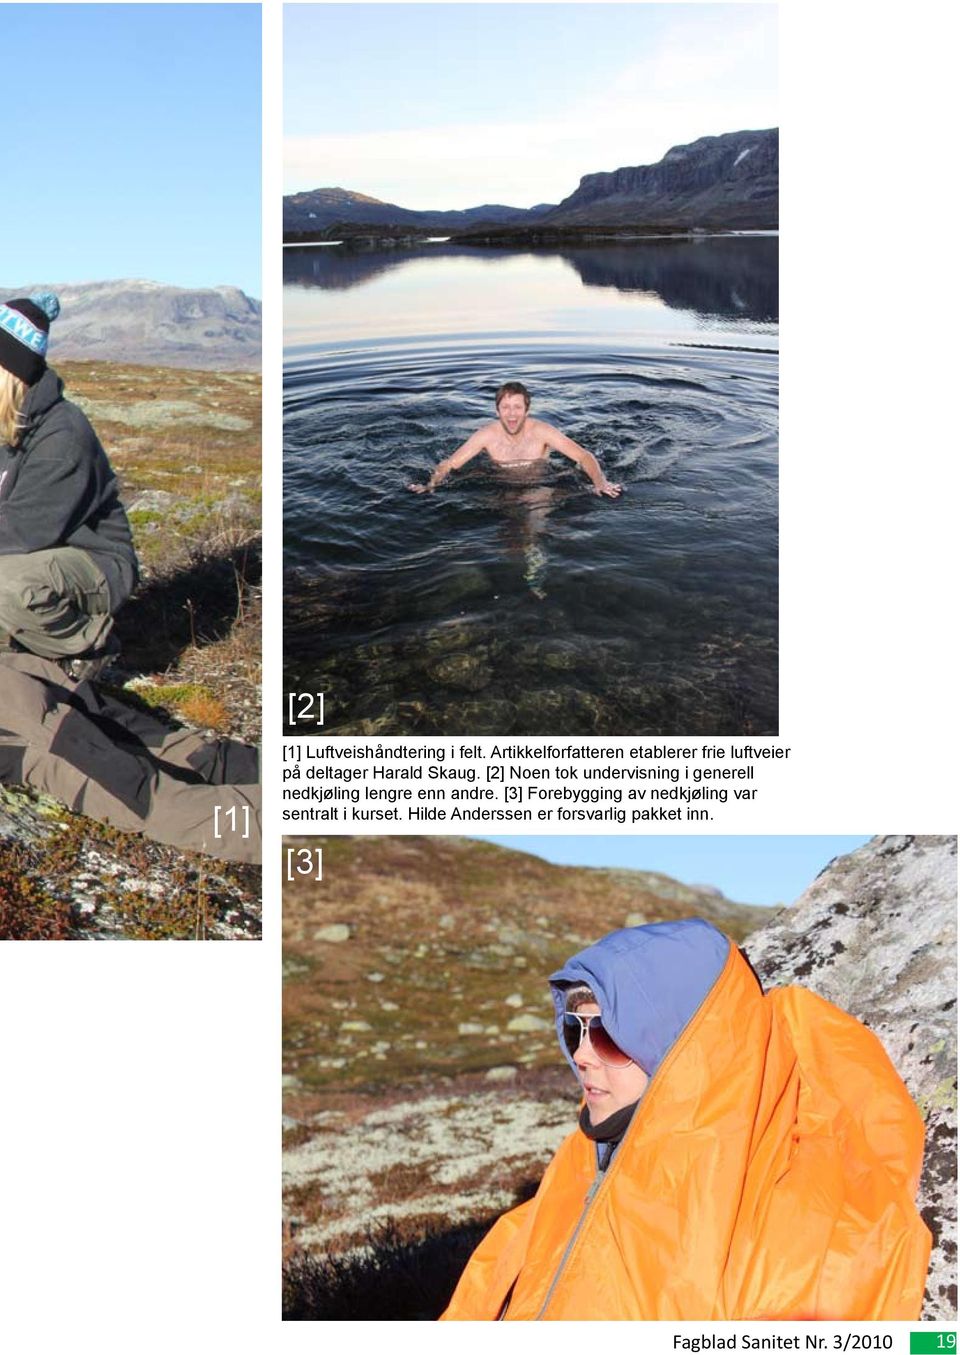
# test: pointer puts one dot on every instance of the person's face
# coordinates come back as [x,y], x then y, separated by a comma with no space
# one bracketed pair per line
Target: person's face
[512,410]
[605,1087]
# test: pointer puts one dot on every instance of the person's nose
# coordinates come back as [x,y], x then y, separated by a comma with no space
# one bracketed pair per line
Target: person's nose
[585,1056]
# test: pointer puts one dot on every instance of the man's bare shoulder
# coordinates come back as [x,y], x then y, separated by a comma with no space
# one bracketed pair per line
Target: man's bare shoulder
[540,428]
[483,438]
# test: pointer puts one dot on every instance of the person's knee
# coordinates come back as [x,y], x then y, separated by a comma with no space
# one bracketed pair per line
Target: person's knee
[15,599]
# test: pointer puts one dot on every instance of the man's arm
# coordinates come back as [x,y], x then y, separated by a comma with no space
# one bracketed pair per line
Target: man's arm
[587,462]
[473,446]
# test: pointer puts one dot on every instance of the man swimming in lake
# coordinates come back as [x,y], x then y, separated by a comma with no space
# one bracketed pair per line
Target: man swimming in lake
[515,440]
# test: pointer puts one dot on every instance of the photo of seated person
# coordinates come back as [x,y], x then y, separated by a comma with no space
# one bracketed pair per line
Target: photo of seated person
[67,561]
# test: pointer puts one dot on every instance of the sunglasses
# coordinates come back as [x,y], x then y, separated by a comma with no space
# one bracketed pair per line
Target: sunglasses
[577,1028]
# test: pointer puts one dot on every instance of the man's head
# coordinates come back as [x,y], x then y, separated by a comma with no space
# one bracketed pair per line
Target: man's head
[513,402]
[609,1077]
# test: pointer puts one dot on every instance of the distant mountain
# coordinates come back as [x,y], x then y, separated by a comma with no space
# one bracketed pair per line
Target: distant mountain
[150,322]
[728,182]
[322,208]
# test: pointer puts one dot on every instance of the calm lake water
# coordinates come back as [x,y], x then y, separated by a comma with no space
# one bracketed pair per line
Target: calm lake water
[534,607]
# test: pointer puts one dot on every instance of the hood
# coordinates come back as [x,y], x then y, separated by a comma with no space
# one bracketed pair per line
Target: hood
[42,396]
[649,982]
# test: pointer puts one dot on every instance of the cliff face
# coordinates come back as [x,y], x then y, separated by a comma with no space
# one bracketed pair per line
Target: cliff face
[876,934]
[730,180]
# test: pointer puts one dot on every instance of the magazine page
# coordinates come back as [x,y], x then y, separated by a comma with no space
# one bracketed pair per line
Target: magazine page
[400,491]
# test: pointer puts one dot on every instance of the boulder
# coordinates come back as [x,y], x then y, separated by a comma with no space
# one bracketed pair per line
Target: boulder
[876,934]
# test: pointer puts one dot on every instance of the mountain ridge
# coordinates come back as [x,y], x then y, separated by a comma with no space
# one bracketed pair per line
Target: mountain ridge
[135,320]
[730,181]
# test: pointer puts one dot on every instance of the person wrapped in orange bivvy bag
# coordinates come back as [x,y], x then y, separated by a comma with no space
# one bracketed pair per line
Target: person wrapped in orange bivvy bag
[738,1155]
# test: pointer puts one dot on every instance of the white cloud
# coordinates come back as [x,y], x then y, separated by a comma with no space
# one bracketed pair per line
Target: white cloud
[701,81]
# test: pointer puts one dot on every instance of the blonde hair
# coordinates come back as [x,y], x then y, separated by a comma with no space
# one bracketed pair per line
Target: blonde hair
[12,395]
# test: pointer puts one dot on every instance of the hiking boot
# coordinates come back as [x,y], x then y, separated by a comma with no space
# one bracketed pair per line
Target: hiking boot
[86,667]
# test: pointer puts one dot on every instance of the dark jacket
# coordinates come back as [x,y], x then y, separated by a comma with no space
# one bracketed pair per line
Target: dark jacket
[57,489]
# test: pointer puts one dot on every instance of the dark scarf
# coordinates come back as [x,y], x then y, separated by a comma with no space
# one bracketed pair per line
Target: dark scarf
[608,1133]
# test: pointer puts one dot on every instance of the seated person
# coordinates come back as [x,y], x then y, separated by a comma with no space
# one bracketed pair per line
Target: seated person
[738,1155]
[67,562]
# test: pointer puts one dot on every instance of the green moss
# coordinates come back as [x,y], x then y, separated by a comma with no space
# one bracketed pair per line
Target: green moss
[943,1097]
[173,693]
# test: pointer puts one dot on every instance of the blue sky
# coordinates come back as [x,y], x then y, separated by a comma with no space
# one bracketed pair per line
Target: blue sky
[134,136]
[765,870]
[450,105]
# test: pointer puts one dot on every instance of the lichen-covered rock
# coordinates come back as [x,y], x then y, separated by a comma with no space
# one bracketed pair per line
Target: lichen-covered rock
[876,934]
[103,884]
[333,933]
[527,1024]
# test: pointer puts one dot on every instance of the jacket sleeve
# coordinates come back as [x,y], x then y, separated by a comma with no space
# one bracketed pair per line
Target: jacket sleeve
[54,491]
[492,1268]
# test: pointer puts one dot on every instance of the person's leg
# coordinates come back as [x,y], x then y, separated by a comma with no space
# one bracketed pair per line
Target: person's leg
[218,761]
[55,603]
[51,740]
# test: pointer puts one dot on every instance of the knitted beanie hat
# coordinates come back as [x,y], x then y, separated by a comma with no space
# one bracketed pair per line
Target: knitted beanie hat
[24,330]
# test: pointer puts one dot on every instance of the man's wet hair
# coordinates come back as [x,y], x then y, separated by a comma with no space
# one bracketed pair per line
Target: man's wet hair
[579,995]
[513,388]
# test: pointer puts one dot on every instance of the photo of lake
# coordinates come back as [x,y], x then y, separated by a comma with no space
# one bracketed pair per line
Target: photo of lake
[526,604]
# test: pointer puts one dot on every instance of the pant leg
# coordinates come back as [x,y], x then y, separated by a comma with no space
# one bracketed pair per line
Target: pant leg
[55,603]
[49,740]
[217,761]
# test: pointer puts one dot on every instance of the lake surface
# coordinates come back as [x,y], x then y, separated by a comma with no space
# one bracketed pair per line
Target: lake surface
[532,606]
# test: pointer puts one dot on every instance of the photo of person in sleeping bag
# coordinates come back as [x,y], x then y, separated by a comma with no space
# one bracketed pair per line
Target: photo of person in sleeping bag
[739,1154]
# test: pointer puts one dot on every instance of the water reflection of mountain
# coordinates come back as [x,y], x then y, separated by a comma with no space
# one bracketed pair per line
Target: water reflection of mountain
[735,277]
[339,267]
[731,276]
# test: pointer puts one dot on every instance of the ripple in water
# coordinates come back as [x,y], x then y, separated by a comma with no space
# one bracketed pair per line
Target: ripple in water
[493,606]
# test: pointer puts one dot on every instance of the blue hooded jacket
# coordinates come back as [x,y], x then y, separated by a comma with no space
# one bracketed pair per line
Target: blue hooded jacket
[649,982]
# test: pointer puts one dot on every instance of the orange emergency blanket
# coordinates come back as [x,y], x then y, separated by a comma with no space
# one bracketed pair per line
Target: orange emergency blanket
[769,1171]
